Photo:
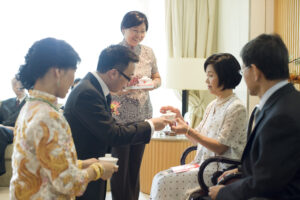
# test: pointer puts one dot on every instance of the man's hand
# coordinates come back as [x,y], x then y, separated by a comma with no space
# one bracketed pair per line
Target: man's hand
[214,190]
[160,123]
[232,171]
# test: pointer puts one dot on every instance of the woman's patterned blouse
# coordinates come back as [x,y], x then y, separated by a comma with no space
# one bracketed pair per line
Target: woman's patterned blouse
[44,159]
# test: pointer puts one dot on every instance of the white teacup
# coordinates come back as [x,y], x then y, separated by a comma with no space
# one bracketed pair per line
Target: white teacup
[169,115]
[108,158]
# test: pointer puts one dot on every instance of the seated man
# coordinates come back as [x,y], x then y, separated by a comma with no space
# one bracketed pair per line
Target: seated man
[9,111]
[10,108]
[270,161]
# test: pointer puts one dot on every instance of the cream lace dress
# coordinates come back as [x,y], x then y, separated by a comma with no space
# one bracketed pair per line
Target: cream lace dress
[224,121]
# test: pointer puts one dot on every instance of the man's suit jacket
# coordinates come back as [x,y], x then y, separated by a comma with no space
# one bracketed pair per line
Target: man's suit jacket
[271,159]
[93,128]
[9,111]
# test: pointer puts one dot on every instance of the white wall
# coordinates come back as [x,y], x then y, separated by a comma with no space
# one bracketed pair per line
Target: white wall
[261,21]
[233,33]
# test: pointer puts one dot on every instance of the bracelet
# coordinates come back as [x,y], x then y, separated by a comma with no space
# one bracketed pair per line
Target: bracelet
[96,170]
[101,168]
[79,164]
[187,131]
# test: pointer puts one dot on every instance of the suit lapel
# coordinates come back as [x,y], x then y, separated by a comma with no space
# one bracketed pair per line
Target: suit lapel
[261,116]
[90,77]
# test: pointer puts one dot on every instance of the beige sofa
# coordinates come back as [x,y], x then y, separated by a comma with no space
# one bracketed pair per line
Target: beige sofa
[5,178]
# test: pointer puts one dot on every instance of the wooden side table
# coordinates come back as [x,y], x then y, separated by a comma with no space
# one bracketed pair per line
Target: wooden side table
[162,153]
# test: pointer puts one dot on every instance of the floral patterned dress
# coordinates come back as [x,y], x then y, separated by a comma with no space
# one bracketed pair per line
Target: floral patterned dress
[132,107]
[44,159]
[224,120]
[136,106]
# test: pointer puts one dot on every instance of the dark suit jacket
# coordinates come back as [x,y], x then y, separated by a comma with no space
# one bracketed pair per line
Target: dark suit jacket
[9,111]
[93,128]
[6,137]
[271,159]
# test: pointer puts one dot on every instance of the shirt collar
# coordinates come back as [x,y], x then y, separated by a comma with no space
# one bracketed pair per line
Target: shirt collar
[102,83]
[21,99]
[271,91]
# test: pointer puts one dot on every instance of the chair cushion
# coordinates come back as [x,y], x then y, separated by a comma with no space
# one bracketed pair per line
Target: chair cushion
[8,152]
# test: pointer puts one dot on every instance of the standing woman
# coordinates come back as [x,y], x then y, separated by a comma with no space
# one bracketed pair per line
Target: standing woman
[133,105]
[45,164]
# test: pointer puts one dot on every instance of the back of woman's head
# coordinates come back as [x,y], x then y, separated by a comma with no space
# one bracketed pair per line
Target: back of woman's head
[43,55]
[227,69]
[134,18]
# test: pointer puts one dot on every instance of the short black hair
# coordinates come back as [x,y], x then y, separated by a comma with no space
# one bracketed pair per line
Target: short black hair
[115,57]
[43,55]
[227,68]
[134,18]
[269,53]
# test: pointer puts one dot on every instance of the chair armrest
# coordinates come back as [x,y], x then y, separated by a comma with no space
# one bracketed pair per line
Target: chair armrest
[202,167]
[185,154]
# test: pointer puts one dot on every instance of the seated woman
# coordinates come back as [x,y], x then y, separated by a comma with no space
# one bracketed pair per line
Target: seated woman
[222,130]
[45,164]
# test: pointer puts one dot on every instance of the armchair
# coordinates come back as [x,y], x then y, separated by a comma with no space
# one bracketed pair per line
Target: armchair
[202,194]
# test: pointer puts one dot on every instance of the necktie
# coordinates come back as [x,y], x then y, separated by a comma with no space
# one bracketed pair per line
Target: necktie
[108,99]
[251,120]
[257,111]
[18,103]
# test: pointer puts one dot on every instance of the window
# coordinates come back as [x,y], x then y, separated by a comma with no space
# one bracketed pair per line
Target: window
[89,26]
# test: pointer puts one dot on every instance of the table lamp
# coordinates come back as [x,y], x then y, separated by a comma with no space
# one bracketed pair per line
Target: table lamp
[186,74]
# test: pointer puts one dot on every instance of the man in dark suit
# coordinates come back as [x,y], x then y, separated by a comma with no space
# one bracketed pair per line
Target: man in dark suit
[10,108]
[9,111]
[271,159]
[88,112]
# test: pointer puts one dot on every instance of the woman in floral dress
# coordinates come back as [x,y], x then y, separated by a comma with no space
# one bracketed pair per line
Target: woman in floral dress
[222,130]
[132,106]
[44,159]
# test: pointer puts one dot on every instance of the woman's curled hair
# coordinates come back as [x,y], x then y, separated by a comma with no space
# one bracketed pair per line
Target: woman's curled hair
[43,55]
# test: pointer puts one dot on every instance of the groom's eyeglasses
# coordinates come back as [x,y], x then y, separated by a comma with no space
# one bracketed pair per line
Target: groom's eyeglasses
[124,75]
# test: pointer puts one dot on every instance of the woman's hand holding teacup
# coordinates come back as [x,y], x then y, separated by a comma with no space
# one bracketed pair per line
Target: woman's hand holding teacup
[180,127]
[86,163]
[108,169]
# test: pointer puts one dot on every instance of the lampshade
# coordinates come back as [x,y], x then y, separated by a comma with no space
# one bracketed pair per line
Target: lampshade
[186,74]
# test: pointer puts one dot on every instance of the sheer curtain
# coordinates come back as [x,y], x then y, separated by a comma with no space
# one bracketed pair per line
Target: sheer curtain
[89,26]
[192,33]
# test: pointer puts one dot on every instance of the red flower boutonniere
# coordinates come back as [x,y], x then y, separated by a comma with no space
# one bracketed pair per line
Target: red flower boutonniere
[114,106]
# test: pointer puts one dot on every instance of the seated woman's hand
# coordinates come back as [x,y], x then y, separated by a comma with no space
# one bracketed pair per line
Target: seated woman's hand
[180,127]
[164,109]
[108,169]
[232,171]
